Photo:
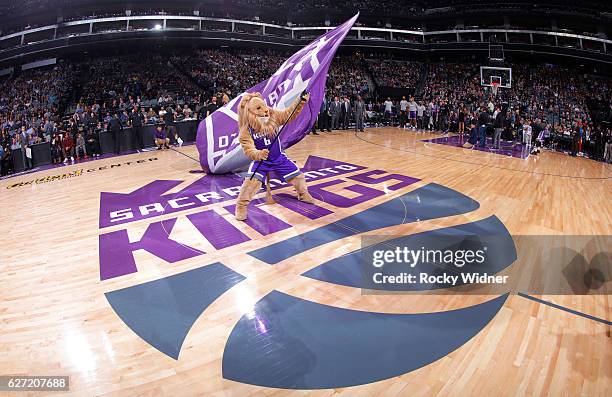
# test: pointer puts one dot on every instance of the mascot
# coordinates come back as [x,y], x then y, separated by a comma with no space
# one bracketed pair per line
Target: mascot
[259,126]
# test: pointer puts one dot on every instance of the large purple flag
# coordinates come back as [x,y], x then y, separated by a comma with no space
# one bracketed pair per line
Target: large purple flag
[217,139]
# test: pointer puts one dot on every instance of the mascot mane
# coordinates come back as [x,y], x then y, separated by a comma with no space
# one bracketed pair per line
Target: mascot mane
[247,119]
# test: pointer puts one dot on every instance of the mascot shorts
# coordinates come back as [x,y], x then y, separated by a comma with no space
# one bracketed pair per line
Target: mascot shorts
[282,167]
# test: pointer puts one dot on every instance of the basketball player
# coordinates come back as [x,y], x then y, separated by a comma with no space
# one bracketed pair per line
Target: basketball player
[527,133]
[412,108]
[403,109]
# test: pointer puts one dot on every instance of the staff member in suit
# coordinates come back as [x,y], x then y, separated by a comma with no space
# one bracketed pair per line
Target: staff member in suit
[136,119]
[324,115]
[346,113]
[115,127]
[335,111]
[23,141]
[360,112]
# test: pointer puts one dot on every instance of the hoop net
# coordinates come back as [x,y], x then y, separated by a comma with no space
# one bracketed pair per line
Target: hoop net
[494,87]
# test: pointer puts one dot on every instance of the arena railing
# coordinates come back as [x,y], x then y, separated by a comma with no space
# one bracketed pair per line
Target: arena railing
[157,23]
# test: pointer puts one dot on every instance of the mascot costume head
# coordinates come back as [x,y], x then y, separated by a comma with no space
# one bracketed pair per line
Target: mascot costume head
[259,127]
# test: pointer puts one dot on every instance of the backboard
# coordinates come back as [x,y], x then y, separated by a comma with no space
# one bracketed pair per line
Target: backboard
[502,76]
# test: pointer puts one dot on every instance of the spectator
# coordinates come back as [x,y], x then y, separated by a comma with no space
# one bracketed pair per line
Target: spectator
[56,149]
[212,106]
[93,143]
[80,150]
[6,161]
[68,147]
[151,116]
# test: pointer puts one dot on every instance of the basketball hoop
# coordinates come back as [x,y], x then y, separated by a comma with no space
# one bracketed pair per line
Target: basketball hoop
[494,87]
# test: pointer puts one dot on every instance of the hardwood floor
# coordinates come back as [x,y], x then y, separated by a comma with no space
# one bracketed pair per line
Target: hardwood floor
[57,320]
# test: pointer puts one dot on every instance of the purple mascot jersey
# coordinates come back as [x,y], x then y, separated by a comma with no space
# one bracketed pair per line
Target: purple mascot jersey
[277,160]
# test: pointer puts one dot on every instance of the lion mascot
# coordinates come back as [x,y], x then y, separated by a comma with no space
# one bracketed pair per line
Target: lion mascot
[258,126]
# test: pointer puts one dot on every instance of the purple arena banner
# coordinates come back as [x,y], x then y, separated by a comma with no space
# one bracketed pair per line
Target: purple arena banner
[217,138]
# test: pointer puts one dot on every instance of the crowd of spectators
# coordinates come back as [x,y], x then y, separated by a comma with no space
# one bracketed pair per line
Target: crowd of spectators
[391,7]
[422,7]
[233,71]
[390,73]
[111,88]
[29,105]
[554,99]
[228,71]
[142,78]
[162,88]
[556,95]
[347,76]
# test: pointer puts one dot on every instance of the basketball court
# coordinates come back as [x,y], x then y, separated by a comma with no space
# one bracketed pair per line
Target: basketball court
[132,277]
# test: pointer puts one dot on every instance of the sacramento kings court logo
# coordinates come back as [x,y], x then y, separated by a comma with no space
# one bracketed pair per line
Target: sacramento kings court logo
[310,339]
